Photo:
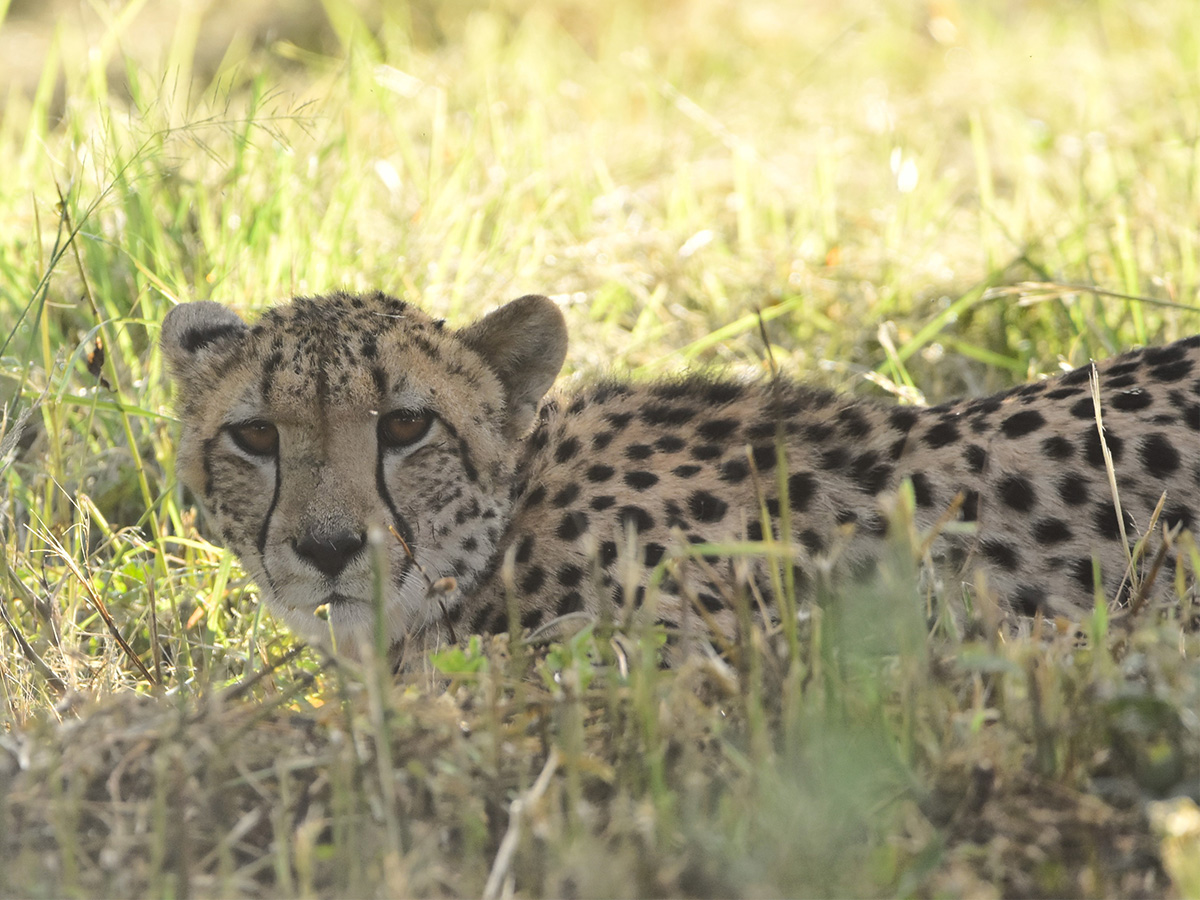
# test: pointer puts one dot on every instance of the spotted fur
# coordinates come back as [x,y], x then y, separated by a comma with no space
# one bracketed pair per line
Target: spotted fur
[441,443]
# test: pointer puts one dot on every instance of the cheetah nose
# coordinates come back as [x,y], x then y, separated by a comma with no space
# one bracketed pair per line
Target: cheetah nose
[331,552]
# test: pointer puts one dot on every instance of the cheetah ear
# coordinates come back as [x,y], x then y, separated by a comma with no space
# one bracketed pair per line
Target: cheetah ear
[524,342]
[192,333]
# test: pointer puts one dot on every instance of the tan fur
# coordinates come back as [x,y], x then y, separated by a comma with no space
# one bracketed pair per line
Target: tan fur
[574,513]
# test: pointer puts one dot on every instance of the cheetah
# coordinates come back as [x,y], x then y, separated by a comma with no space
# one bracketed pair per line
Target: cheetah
[357,453]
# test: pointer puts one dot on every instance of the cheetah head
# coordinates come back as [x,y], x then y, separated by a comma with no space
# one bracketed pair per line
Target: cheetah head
[348,438]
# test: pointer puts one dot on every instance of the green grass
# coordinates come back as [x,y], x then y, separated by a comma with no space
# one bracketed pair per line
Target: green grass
[931,216]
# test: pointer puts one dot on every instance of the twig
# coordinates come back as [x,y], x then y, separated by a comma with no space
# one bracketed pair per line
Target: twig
[516,812]
[56,683]
[90,590]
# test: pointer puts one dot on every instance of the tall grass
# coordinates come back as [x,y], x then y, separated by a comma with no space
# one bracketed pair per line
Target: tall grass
[925,199]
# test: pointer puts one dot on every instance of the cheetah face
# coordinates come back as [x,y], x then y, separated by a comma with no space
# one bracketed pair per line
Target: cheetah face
[350,445]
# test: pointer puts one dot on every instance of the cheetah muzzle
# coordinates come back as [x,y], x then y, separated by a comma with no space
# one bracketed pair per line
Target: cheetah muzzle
[334,419]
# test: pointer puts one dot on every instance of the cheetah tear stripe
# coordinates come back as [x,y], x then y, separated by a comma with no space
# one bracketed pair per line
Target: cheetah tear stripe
[336,417]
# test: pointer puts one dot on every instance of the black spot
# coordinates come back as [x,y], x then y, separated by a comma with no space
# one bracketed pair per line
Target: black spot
[1116,367]
[704,507]
[733,471]
[675,517]
[566,450]
[569,603]
[1076,376]
[1106,522]
[669,443]
[870,476]
[943,433]
[969,511]
[638,451]
[711,602]
[536,496]
[754,531]
[1022,423]
[1178,515]
[1175,371]
[1129,401]
[706,451]
[662,414]
[570,576]
[531,619]
[903,418]
[673,389]
[1158,455]
[1062,393]
[1122,381]
[1160,356]
[987,406]
[566,496]
[602,440]
[1083,572]
[1072,489]
[573,524]
[1058,448]
[1091,447]
[642,520]
[813,542]
[603,502]
[854,423]
[654,554]
[897,449]
[1051,531]
[764,457]
[976,458]
[533,580]
[718,392]
[718,429]
[496,622]
[1016,492]
[524,549]
[1000,554]
[817,432]
[833,458]
[599,473]
[685,471]
[607,553]
[1028,600]
[922,490]
[641,481]
[1191,416]
[1084,409]
[802,487]
[619,420]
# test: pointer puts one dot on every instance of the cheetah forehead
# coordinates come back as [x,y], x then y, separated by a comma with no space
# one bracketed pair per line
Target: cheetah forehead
[354,352]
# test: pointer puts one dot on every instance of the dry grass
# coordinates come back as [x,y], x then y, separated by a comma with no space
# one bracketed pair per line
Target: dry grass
[933,198]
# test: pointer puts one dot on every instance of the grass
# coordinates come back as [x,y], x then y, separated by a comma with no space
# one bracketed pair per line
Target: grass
[924,199]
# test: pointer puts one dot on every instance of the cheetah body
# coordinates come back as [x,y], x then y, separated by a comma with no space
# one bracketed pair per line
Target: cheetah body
[346,438]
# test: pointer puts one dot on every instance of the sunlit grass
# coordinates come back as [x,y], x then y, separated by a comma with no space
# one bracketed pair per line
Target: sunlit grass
[919,199]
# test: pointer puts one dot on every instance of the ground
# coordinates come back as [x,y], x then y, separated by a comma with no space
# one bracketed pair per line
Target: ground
[916,199]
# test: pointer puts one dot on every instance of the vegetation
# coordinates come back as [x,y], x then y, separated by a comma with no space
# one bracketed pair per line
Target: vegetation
[923,199]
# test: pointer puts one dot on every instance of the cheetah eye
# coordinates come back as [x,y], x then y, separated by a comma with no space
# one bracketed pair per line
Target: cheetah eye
[404,427]
[258,438]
